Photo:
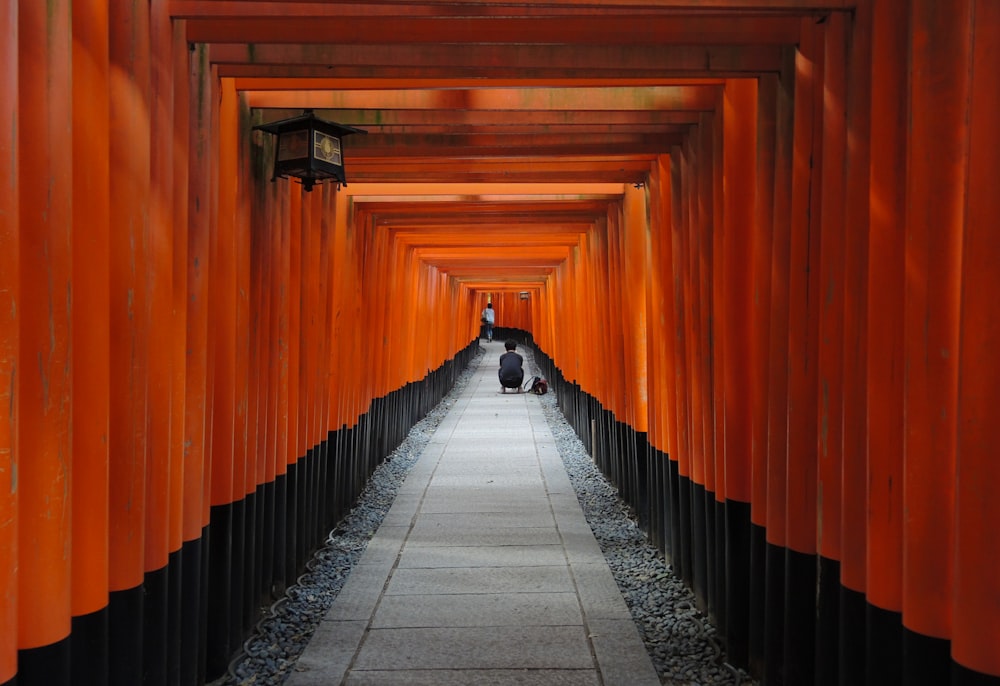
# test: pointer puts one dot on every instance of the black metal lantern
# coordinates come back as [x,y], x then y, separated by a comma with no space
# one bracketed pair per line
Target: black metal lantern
[309,149]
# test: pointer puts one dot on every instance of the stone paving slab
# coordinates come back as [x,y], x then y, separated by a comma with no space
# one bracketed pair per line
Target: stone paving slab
[483,556]
[479,677]
[483,572]
[495,647]
[484,609]
[481,580]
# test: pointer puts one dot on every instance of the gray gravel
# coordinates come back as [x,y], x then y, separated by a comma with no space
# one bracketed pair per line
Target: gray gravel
[684,646]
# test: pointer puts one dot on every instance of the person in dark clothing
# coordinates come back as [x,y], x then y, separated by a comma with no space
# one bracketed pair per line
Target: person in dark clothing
[511,367]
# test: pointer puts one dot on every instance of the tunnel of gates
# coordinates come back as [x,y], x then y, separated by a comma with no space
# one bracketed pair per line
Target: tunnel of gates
[780,347]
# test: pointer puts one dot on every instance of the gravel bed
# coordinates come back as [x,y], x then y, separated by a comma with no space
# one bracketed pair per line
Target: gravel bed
[683,644]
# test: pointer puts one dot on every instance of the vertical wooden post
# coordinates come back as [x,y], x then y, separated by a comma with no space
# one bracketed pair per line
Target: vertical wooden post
[9,329]
[830,343]
[197,411]
[759,352]
[91,340]
[854,474]
[976,594]
[130,331]
[160,284]
[181,562]
[803,312]
[739,168]
[937,159]
[777,430]
[885,342]
[44,385]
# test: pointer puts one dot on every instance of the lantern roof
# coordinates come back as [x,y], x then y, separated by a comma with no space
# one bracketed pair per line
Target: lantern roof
[307,118]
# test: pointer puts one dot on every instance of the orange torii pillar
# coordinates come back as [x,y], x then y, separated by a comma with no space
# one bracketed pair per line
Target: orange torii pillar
[195,285]
[738,169]
[759,351]
[9,306]
[854,439]
[659,345]
[830,347]
[976,551]
[130,292]
[91,340]
[777,379]
[936,181]
[42,379]
[885,343]
[803,312]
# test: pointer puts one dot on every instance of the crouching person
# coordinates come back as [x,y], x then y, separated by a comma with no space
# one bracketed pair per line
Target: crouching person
[511,367]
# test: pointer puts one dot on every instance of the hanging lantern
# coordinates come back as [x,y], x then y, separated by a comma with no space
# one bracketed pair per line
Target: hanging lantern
[309,148]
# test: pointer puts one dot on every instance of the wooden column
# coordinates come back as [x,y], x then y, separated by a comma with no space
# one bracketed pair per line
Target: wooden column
[885,340]
[9,301]
[777,382]
[43,380]
[739,168]
[197,411]
[854,474]
[976,622]
[937,159]
[758,354]
[830,345]
[130,331]
[91,340]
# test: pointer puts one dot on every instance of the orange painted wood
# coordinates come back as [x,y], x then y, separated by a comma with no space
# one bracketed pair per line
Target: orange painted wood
[739,182]
[44,385]
[179,126]
[197,409]
[664,335]
[9,330]
[222,304]
[830,341]
[214,7]
[584,29]
[282,358]
[976,629]
[160,453]
[885,305]
[678,247]
[854,479]
[936,181]
[718,323]
[91,325]
[804,298]
[635,278]
[700,98]
[130,293]
[777,383]
[761,252]
[244,477]
[294,320]
[703,273]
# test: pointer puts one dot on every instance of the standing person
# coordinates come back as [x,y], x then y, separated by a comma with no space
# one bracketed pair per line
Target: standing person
[511,367]
[488,317]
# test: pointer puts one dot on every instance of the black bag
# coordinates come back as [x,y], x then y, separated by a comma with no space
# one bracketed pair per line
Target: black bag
[539,386]
[484,320]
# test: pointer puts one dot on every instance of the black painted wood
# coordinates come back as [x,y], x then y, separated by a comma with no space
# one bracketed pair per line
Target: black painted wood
[926,660]
[155,598]
[89,649]
[45,666]
[125,622]
[737,580]
[800,617]
[884,648]
[827,672]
